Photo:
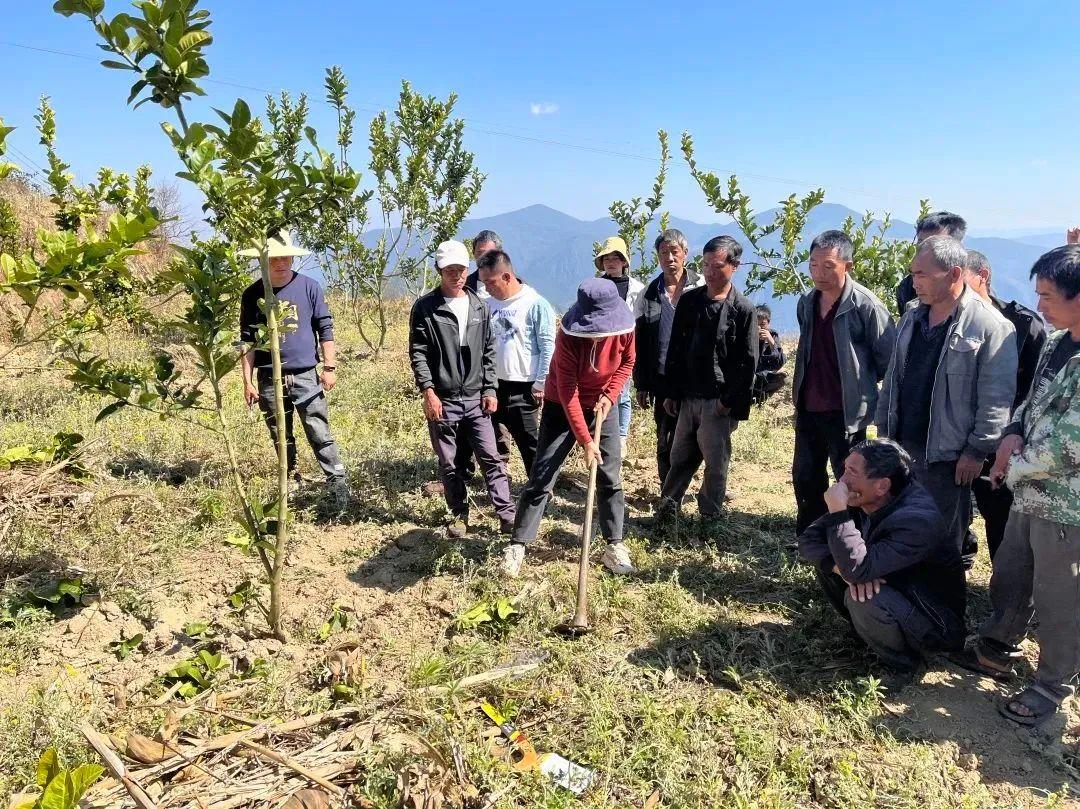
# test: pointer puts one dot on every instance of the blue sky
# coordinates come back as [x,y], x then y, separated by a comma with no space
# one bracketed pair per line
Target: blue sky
[971,104]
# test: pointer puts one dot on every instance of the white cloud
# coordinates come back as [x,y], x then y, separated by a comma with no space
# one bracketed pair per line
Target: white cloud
[543,108]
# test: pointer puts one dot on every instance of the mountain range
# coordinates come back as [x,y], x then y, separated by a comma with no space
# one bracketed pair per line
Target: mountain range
[553,251]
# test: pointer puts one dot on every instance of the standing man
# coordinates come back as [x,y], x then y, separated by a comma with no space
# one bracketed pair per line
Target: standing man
[949,389]
[485,240]
[898,579]
[653,332]
[709,379]
[303,386]
[594,356]
[452,351]
[845,340]
[523,326]
[769,377]
[995,502]
[939,223]
[1037,569]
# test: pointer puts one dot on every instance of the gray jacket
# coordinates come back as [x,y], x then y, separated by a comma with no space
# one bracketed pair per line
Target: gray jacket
[974,384]
[864,334]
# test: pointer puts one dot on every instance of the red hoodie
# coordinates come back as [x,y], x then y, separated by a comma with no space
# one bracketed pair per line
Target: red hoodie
[582,369]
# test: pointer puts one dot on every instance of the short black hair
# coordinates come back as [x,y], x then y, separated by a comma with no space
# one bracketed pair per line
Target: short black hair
[492,259]
[732,249]
[834,240]
[1061,267]
[950,224]
[485,236]
[886,459]
[763,309]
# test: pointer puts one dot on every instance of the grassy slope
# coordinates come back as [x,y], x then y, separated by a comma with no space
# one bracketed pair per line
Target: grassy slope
[716,674]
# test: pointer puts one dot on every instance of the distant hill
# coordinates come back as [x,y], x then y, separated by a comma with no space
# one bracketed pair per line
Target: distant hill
[553,250]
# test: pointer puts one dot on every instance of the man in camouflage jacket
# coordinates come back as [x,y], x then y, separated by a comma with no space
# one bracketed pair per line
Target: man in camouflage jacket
[1036,568]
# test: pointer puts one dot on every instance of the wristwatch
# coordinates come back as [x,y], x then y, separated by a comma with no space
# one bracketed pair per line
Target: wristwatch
[329,367]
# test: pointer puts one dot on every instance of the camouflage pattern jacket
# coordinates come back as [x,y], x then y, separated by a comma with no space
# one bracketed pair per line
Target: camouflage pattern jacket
[1045,477]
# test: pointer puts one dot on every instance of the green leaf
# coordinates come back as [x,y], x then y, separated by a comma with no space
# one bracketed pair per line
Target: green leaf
[115,65]
[47,768]
[108,410]
[241,115]
[82,777]
[193,39]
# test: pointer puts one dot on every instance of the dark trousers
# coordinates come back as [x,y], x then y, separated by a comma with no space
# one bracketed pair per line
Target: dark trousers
[821,441]
[701,434]
[953,501]
[665,436]
[305,396]
[555,443]
[901,629]
[518,419]
[465,420]
[994,505]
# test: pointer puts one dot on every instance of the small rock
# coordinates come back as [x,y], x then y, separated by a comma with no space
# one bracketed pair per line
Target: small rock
[968,761]
[1026,765]
[110,609]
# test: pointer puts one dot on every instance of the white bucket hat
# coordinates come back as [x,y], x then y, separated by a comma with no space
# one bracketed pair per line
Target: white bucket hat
[278,246]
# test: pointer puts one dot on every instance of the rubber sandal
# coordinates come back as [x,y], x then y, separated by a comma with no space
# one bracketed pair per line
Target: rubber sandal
[1041,707]
[973,660]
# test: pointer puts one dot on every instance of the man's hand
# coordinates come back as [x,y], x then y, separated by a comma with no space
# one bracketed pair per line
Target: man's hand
[644,399]
[722,409]
[1072,236]
[864,591]
[538,395]
[328,379]
[766,336]
[671,407]
[489,404]
[592,454]
[251,394]
[602,407]
[836,498]
[967,469]
[432,406]
[1010,445]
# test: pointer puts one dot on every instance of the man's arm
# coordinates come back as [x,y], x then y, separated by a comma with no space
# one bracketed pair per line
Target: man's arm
[247,367]
[814,547]
[419,343]
[882,335]
[490,368]
[544,327]
[995,390]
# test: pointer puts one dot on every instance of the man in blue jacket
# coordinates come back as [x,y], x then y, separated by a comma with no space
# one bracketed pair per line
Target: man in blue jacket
[899,579]
[304,387]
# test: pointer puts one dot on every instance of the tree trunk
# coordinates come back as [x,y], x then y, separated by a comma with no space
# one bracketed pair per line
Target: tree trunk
[273,332]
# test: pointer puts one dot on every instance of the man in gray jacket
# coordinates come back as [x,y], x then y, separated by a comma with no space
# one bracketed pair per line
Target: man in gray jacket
[949,389]
[845,340]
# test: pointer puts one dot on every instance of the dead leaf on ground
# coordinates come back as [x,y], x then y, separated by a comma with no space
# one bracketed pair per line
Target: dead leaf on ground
[146,751]
[308,799]
[652,801]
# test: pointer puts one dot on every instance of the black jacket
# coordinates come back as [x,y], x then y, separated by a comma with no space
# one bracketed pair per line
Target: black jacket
[1030,339]
[647,377]
[770,357]
[456,372]
[905,543]
[721,368]
[905,294]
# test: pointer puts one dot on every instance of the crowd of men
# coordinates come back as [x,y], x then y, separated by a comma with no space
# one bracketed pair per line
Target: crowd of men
[972,399]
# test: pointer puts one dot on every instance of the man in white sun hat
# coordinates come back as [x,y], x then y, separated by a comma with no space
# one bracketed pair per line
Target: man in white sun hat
[304,387]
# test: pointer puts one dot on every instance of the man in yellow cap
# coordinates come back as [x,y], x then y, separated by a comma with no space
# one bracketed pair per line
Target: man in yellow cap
[304,386]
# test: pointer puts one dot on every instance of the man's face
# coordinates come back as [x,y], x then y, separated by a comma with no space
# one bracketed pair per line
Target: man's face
[717,270]
[281,264]
[932,284]
[453,278]
[763,321]
[614,264]
[497,282]
[1059,311]
[479,248]
[672,257]
[863,491]
[828,270]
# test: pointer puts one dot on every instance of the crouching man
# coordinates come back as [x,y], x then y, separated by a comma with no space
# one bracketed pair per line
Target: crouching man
[900,579]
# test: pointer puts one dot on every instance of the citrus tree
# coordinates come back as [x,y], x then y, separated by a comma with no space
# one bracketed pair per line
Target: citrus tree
[255,182]
[633,218]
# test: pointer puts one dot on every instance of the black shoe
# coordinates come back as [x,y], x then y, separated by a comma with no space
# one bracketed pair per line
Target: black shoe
[506,527]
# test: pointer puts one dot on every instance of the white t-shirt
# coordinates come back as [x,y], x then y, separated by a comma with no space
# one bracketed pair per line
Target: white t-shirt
[460,308]
[515,359]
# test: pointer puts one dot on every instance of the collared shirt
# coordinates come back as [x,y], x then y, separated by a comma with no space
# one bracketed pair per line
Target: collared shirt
[920,367]
[822,391]
[667,317]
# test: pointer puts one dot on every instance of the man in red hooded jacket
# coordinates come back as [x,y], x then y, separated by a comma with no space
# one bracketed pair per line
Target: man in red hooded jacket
[594,356]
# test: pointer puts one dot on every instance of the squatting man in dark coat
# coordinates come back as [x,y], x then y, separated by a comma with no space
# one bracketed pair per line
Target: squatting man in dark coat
[899,579]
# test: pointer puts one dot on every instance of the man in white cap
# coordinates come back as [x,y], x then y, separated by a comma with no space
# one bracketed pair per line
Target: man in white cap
[452,351]
[303,386]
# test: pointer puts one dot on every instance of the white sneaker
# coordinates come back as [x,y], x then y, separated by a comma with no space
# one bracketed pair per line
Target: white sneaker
[616,558]
[513,556]
[622,445]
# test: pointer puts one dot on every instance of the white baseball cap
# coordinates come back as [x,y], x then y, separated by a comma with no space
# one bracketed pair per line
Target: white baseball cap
[451,252]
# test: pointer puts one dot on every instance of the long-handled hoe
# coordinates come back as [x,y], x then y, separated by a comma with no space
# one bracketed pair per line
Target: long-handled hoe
[579,624]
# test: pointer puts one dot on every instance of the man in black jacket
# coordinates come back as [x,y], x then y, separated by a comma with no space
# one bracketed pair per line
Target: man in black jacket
[769,377]
[653,333]
[899,580]
[452,351]
[709,375]
[994,504]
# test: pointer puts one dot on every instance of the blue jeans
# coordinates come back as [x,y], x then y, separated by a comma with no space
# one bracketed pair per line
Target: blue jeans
[624,412]
[304,396]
